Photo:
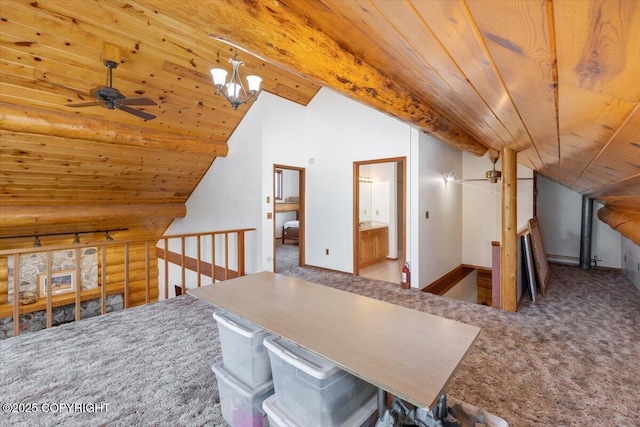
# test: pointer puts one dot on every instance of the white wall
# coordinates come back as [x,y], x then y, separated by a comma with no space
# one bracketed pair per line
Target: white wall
[227,197]
[339,132]
[482,208]
[466,289]
[560,213]
[283,142]
[439,236]
[631,261]
[325,138]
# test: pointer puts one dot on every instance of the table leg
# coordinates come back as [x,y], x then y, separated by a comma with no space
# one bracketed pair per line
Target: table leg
[382,403]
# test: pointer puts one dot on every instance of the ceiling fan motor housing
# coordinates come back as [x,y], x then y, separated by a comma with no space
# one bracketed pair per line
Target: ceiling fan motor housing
[108,95]
[493,175]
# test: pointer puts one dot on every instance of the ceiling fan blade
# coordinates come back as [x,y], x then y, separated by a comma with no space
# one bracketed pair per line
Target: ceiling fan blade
[84,104]
[141,114]
[137,101]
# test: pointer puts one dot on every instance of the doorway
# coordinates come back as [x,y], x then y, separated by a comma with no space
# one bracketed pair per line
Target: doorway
[379,218]
[288,216]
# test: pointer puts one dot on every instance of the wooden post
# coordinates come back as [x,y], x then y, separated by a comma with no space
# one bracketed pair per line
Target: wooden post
[199,266]
[182,270]
[508,261]
[166,268]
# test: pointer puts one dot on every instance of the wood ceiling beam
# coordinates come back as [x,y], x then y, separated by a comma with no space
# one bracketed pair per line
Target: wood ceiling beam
[625,220]
[275,33]
[31,220]
[23,119]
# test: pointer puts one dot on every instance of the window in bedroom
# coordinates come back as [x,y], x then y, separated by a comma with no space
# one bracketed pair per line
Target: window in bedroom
[278,184]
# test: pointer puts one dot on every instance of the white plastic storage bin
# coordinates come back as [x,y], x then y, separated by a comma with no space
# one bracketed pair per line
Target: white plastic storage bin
[241,405]
[364,416]
[311,390]
[243,351]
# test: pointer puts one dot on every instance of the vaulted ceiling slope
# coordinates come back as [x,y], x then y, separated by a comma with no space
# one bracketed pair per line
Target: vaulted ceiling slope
[67,170]
[556,81]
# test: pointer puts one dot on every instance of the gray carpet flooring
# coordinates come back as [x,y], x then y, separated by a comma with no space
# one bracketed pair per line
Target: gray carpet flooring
[571,359]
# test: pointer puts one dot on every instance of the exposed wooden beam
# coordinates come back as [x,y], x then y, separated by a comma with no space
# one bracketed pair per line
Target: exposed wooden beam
[18,118]
[625,220]
[40,216]
[508,260]
[274,32]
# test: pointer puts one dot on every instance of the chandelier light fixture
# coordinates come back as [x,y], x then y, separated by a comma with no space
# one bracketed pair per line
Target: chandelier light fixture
[234,90]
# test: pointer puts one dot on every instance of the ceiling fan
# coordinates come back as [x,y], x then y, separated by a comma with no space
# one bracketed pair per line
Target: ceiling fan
[111,98]
[492,175]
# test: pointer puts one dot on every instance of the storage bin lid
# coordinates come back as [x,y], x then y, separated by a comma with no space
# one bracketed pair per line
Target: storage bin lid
[358,418]
[238,324]
[316,366]
[222,374]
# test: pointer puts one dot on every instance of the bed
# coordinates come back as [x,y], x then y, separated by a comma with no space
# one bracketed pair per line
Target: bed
[290,231]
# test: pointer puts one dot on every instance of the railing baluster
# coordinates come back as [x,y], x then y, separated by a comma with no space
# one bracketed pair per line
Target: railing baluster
[182,268]
[126,276]
[147,278]
[226,256]
[198,266]
[16,294]
[49,287]
[166,268]
[78,284]
[103,291]
[213,257]
[240,249]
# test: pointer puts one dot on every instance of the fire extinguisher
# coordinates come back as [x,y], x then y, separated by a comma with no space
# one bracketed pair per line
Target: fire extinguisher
[406,276]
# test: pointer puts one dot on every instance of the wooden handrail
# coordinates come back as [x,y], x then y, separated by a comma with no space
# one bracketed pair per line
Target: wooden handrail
[199,266]
[123,275]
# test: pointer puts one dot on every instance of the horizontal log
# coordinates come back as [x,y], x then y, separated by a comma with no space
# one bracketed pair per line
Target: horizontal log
[16,216]
[257,27]
[133,275]
[139,298]
[625,220]
[31,120]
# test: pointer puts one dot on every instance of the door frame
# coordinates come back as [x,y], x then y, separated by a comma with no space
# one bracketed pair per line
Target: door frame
[356,207]
[301,210]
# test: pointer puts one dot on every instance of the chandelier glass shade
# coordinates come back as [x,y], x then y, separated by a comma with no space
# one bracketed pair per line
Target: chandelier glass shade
[234,90]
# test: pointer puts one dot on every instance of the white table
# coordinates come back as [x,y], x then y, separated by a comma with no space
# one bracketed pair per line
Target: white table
[408,353]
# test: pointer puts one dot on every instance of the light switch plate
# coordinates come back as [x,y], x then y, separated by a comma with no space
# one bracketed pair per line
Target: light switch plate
[269,215]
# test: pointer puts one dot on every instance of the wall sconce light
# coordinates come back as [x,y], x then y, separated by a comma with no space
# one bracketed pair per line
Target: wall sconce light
[449,176]
[107,237]
[76,241]
[36,242]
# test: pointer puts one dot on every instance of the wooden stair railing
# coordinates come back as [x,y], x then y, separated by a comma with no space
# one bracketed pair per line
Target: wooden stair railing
[124,267]
[127,267]
[208,268]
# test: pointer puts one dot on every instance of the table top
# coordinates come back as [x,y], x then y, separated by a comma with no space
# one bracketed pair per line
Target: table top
[408,353]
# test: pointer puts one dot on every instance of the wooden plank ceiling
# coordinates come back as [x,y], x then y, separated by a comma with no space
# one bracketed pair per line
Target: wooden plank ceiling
[556,81]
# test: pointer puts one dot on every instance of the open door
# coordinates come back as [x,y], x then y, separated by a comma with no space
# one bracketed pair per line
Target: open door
[288,214]
[379,218]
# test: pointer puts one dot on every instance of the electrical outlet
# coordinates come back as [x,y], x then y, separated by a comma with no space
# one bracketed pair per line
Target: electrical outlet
[326,251]
[426,215]
[377,212]
[268,199]
[269,215]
